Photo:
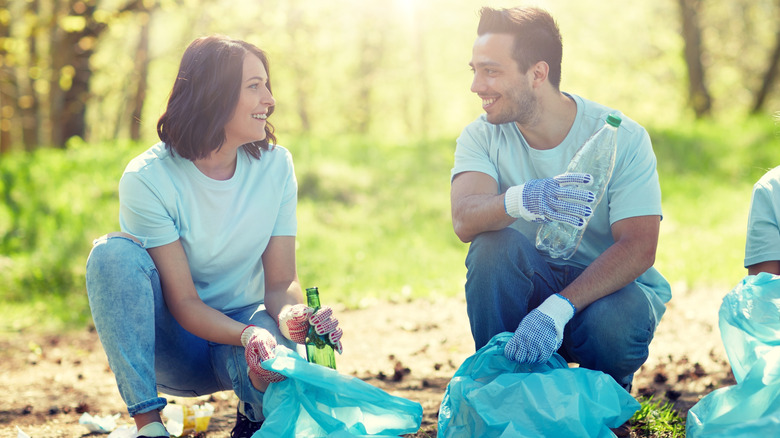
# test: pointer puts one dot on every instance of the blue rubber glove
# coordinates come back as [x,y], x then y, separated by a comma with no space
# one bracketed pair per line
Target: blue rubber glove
[551,199]
[540,333]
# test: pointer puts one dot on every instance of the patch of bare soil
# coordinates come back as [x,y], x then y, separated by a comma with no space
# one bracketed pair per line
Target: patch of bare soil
[409,349]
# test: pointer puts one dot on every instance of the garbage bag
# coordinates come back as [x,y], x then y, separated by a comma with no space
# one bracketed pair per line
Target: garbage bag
[749,321]
[316,401]
[492,396]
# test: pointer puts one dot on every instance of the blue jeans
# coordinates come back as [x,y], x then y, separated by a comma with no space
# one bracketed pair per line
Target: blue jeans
[507,278]
[149,351]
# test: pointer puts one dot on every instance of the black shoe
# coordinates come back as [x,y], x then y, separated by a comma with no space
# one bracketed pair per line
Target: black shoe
[244,427]
[623,431]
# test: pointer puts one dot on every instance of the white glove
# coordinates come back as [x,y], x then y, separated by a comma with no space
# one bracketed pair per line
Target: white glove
[540,333]
[551,199]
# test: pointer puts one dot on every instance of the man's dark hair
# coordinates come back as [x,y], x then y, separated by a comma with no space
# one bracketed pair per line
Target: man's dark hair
[205,95]
[536,37]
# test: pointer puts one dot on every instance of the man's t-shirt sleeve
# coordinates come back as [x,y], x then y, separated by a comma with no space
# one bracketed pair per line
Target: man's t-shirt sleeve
[763,232]
[472,151]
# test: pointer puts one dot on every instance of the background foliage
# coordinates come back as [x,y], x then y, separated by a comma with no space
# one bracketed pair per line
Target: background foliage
[371,96]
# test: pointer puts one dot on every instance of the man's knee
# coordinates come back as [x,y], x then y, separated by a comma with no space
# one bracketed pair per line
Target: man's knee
[495,247]
[621,328]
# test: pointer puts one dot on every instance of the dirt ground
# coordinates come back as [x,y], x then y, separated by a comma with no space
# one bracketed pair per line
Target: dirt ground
[409,349]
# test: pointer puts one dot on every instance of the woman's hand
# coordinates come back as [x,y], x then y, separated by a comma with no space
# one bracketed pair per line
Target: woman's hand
[259,346]
[294,322]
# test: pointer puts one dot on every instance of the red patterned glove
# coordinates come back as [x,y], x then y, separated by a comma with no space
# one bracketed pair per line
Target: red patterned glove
[326,325]
[294,322]
[259,346]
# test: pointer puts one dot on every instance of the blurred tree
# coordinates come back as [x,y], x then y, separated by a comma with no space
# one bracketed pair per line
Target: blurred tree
[738,76]
[371,49]
[698,95]
[141,76]
[46,72]
[71,48]
[301,33]
[770,77]
[7,81]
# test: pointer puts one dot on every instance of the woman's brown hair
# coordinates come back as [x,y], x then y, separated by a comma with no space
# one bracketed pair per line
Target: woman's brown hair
[205,95]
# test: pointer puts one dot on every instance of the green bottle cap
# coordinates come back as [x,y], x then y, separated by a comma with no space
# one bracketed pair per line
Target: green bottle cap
[614,120]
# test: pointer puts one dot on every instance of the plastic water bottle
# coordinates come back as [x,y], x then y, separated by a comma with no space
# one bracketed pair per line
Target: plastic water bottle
[596,157]
[318,349]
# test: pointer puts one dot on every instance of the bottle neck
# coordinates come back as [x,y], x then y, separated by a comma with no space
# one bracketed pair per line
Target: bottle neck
[313,298]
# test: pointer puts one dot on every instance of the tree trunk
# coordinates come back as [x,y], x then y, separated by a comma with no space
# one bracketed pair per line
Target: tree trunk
[29,102]
[74,110]
[698,96]
[771,72]
[7,93]
[142,73]
[296,20]
[71,53]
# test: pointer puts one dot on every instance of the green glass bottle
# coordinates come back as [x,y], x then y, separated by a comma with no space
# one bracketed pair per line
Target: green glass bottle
[318,349]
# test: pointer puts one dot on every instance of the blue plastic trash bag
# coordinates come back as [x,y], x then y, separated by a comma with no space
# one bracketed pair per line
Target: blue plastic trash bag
[315,401]
[749,321]
[492,396]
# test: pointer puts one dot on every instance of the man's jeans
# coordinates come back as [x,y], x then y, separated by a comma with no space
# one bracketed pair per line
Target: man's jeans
[507,278]
[148,351]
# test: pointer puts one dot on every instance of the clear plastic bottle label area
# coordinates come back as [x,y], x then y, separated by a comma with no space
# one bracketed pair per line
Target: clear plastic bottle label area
[597,158]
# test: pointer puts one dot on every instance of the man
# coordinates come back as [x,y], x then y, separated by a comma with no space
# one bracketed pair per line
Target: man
[601,307]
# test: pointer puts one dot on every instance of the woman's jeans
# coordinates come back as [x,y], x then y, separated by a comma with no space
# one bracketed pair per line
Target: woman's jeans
[148,351]
[507,278]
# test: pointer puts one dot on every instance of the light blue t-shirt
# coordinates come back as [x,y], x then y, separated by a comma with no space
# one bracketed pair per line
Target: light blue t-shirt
[763,232]
[502,152]
[224,226]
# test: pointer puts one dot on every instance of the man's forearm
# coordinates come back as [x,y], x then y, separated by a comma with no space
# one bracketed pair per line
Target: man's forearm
[476,214]
[615,268]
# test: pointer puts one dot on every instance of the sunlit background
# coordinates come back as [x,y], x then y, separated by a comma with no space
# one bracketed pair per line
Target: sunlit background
[395,68]
[371,96]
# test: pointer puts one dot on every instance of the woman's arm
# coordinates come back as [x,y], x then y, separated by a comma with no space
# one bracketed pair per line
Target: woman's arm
[183,301]
[282,287]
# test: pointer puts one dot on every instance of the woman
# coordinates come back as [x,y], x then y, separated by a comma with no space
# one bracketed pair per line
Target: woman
[201,283]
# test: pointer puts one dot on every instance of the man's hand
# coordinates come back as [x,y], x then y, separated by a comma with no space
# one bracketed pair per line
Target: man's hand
[551,199]
[259,346]
[540,333]
[294,322]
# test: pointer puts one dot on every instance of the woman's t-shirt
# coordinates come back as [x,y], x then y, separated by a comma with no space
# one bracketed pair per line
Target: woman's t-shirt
[224,226]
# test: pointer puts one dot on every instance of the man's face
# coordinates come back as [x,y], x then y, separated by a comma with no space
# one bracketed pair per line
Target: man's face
[505,91]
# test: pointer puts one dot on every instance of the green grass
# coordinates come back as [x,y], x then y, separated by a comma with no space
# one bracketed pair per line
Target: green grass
[707,171]
[657,419]
[374,220]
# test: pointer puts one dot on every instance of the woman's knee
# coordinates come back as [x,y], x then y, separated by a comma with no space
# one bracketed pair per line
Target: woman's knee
[116,257]
[113,248]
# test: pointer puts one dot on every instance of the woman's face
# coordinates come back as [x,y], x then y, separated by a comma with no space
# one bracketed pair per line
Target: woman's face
[248,121]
